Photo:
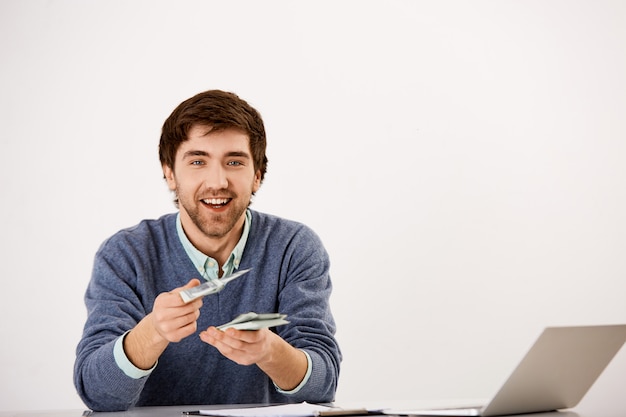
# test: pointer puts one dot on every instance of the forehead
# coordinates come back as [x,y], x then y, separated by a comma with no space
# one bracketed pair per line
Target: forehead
[206,138]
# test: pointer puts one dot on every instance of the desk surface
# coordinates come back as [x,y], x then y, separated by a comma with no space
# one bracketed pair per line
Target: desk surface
[176,411]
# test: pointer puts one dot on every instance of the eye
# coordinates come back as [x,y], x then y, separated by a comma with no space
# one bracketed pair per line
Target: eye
[197,162]
[234,163]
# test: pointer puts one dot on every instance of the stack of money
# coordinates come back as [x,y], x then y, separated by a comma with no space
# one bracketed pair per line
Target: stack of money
[212,286]
[255,321]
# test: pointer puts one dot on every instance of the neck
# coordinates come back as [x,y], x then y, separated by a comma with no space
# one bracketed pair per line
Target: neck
[217,247]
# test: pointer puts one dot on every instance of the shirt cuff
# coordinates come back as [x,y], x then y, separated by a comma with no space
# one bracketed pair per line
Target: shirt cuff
[307,375]
[125,364]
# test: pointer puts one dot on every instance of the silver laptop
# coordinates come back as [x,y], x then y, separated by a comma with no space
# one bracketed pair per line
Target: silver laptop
[556,373]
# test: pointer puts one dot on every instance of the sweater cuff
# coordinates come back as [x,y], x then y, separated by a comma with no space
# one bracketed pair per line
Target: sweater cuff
[307,375]
[125,364]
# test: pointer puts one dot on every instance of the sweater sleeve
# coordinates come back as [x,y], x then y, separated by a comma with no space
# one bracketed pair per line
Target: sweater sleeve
[305,294]
[114,306]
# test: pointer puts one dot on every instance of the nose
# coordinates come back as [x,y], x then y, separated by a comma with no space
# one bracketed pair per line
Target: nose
[216,178]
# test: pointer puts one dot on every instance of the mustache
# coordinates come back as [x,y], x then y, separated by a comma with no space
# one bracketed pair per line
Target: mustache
[213,193]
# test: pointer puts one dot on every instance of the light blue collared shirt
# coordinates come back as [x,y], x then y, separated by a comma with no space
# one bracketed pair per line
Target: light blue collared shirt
[207,266]
[209,269]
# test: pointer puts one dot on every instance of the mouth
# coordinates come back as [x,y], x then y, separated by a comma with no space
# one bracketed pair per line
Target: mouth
[216,203]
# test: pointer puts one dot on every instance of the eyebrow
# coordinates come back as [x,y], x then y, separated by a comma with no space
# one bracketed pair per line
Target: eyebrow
[189,154]
[194,153]
[239,154]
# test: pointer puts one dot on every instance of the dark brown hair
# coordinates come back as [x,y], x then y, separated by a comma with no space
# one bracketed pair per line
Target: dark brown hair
[219,110]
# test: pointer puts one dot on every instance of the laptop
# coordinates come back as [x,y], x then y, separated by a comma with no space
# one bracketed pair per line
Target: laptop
[556,373]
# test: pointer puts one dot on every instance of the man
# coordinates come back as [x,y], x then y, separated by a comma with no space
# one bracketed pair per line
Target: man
[142,345]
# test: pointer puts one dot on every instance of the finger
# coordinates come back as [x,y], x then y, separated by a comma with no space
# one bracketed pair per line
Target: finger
[173,301]
[220,341]
[218,338]
[207,337]
[213,337]
[180,333]
[175,317]
[247,336]
[178,323]
[241,340]
[173,298]
[192,283]
[234,349]
[179,326]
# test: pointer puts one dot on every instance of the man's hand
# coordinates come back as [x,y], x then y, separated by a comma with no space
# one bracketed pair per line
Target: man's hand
[171,320]
[283,363]
[244,347]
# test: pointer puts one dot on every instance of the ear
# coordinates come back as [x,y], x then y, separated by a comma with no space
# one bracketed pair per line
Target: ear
[168,174]
[257,182]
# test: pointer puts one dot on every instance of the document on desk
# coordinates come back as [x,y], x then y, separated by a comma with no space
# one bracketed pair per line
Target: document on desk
[303,409]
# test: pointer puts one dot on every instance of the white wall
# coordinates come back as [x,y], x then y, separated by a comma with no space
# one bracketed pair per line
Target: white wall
[463,162]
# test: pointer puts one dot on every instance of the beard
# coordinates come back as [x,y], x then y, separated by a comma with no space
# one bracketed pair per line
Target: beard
[215,225]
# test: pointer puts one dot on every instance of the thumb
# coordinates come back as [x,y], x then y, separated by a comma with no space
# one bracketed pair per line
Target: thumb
[192,283]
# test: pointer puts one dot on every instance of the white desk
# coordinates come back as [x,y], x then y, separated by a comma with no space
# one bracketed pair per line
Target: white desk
[176,411]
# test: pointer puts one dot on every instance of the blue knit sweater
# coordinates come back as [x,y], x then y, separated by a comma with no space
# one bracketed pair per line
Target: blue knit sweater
[289,275]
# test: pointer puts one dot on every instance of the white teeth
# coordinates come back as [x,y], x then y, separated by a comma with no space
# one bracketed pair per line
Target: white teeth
[215,201]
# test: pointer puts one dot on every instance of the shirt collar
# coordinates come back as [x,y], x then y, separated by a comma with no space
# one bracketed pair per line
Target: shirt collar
[208,266]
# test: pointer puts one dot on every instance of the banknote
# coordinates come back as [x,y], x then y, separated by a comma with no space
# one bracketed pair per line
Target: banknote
[255,321]
[212,286]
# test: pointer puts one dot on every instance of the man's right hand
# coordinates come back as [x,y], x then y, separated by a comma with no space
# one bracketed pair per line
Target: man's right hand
[171,320]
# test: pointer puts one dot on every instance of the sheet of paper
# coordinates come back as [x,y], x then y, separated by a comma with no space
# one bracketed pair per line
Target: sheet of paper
[284,410]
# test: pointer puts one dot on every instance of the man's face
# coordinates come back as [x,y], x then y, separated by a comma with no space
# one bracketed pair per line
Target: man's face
[214,179]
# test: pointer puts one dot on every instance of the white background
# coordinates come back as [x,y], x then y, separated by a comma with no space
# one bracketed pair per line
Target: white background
[463,161]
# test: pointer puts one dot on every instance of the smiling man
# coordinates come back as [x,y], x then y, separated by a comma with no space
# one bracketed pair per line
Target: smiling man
[143,346]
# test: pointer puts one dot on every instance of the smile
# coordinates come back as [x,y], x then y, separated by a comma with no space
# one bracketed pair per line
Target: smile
[216,202]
